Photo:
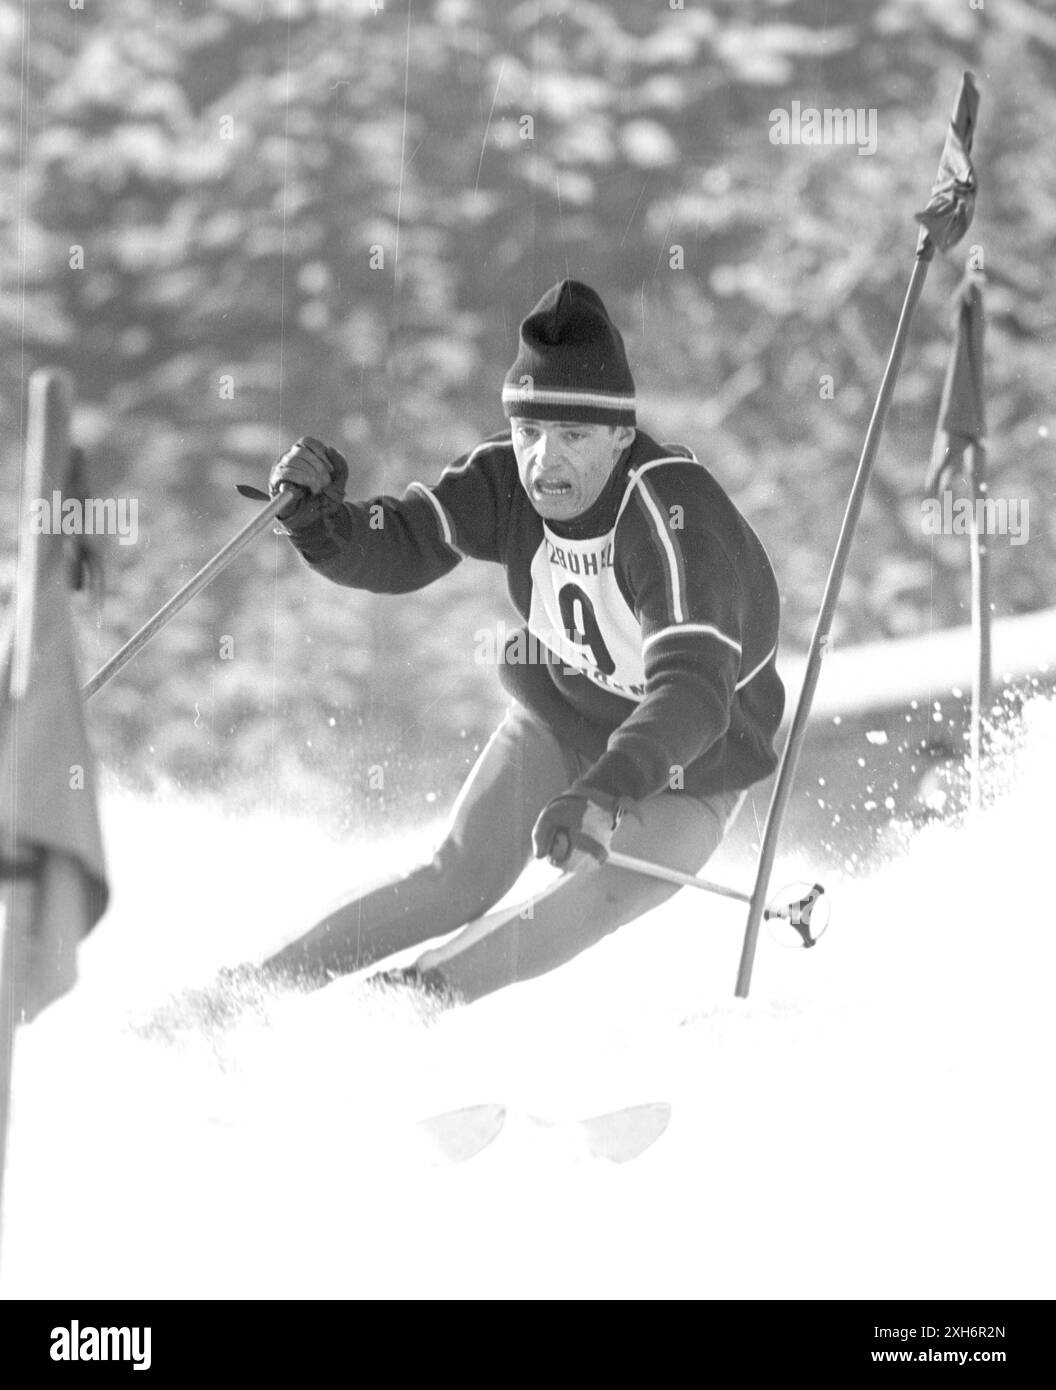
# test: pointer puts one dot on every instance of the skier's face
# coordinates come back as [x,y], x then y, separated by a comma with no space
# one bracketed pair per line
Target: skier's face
[564,466]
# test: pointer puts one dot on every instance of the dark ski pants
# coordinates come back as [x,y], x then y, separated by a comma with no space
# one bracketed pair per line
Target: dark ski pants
[486,847]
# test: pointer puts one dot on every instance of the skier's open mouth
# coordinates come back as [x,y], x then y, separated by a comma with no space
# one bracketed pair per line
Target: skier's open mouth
[551,488]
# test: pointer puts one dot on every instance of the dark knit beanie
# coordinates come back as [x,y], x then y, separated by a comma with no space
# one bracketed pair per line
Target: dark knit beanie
[571,364]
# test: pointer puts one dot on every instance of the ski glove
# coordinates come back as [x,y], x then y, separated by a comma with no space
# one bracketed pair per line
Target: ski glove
[574,828]
[321,472]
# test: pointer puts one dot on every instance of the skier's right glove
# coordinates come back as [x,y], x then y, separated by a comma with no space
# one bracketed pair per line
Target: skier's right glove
[319,471]
[574,829]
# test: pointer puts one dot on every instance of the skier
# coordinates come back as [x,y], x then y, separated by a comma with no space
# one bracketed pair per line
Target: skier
[645,691]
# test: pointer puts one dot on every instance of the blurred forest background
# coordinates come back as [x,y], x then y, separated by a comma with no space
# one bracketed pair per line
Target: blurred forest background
[329,216]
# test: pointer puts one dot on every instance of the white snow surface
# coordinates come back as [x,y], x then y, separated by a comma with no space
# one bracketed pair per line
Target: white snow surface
[876,1121]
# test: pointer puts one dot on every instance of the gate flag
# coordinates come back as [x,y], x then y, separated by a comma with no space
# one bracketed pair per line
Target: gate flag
[52,869]
[962,418]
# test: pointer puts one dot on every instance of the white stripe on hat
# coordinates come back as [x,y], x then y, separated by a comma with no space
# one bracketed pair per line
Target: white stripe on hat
[546,396]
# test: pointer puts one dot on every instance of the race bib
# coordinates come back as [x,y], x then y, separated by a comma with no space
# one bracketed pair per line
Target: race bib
[577,611]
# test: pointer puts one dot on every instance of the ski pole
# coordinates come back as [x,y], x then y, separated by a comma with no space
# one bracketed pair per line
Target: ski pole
[661,871]
[798,913]
[943,222]
[205,575]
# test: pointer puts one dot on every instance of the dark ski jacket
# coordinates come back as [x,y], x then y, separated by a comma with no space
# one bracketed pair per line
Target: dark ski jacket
[651,621]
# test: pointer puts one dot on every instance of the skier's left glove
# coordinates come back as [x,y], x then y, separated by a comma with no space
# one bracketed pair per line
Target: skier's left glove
[574,829]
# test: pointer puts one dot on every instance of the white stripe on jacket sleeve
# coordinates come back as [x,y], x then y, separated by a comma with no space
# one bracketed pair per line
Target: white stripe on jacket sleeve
[446,529]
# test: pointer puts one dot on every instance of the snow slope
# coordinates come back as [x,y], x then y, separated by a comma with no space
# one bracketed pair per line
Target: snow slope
[876,1121]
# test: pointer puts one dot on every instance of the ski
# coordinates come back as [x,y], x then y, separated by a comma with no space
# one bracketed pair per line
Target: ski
[456,1135]
[622,1135]
[617,1136]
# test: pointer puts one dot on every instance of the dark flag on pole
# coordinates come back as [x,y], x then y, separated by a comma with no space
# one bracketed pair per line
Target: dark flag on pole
[951,205]
[943,222]
[962,422]
[52,871]
[958,450]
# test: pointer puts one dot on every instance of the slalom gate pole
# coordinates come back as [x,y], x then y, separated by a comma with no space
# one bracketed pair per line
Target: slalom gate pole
[944,221]
[7,1027]
[205,575]
[50,406]
[982,692]
[15,906]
